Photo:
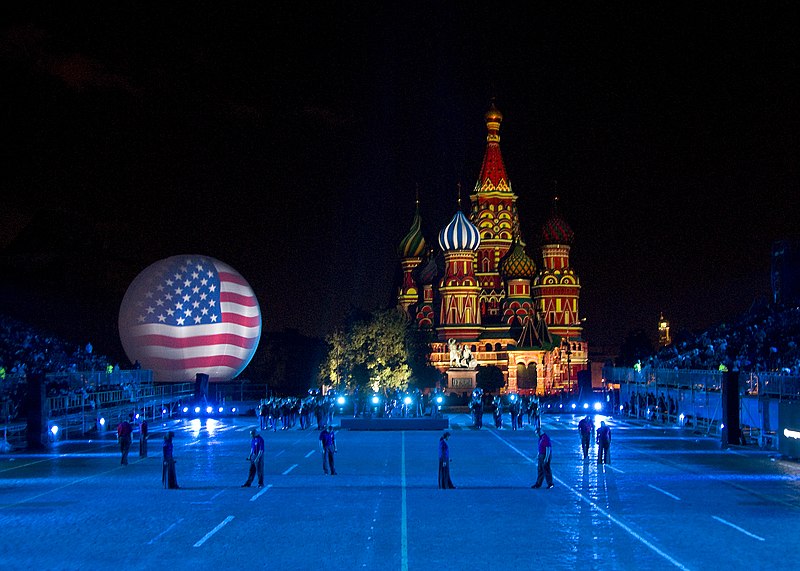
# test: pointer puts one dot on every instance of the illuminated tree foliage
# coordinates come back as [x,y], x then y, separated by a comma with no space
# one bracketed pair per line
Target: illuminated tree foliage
[382,352]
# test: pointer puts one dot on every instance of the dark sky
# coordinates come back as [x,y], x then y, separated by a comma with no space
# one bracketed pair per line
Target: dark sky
[288,141]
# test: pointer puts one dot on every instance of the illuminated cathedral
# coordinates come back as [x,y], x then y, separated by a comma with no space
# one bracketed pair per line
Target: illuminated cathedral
[485,300]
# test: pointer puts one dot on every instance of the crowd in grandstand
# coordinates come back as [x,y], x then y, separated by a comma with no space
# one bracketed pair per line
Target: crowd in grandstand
[763,339]
[25,350]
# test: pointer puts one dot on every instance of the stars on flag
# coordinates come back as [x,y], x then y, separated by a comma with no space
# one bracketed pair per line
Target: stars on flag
[186,293]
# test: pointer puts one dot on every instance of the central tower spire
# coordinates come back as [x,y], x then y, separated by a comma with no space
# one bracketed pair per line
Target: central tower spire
[494,213]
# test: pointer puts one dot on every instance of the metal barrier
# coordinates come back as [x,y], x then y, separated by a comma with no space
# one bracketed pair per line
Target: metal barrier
[75,415]
[693,398]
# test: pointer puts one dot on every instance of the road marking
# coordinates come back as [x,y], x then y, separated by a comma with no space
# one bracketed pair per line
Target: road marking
[310,452]
[214,497]
[404,511]
[609,466]
[289,469]
[666,493]
[260,493]
[205,538]
[599,509]
[156,538]
[737,528]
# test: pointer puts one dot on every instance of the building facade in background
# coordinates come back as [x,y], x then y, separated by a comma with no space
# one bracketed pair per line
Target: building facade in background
[485,300]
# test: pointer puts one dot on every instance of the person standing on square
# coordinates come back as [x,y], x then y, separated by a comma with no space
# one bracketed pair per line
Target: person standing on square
[256,458]
[327,442]
[445,483]
[603,444]
[544,472]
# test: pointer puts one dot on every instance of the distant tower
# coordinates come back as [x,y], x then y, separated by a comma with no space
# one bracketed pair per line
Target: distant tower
[427,276]
[664,338]
[557,286]
[556,290]
[517,269]
[459,317]
[410,252]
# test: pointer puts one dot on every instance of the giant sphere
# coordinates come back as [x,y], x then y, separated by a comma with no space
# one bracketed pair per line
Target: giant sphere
[186,315]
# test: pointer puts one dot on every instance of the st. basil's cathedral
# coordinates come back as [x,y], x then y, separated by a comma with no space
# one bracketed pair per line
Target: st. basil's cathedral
[485,300]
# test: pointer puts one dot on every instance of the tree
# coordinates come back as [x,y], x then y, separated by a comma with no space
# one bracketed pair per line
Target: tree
[490,378]
[385,349]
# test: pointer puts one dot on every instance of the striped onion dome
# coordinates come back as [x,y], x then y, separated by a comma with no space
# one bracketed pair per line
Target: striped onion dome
[427,273]
[413,244]
[516,264]
[555,229]
[460,234]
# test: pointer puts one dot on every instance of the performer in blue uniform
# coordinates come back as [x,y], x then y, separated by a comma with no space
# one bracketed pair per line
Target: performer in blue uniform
[445,483]
[603,444]
[327,442]
[256,458]
[543,462]
[168,477]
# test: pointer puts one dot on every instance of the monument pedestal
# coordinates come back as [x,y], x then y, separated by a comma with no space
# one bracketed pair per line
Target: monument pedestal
[462,380]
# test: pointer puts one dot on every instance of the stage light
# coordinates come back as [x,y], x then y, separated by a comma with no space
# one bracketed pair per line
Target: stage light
[197,410]
[102,421]
[209,409]
[439,399]
[598,406]
[375,399]
[407,400]
[233,409]
[186,409]
[163,411]
[54,429]
[340,400]
[220,409]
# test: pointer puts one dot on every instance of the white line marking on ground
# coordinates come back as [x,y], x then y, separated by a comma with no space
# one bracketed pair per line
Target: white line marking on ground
[666,493]
[404,511]
[599,509]
[289,469]
[260,493]
[737,528]
[610,467]
[156,538]
[205,538]
[280,452]
[310,452]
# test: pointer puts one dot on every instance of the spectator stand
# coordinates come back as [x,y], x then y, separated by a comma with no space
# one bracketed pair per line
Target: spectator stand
[78,408]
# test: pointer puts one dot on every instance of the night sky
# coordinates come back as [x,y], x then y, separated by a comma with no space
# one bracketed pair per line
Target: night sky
[289,142]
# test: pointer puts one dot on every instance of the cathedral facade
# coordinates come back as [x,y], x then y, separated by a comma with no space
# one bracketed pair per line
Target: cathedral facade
[485,301]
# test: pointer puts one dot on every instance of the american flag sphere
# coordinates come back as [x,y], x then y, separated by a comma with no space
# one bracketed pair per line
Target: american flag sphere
[190,314]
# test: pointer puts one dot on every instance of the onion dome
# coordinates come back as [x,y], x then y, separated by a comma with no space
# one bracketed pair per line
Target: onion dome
[555,229]
[516,264]
[493,115]
[431,271]
[460,234]
[413,244]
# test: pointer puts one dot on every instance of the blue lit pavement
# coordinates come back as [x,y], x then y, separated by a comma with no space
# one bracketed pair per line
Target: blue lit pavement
[669,499]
